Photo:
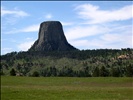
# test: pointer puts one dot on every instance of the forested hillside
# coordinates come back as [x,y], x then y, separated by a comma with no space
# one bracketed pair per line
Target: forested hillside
[85,63]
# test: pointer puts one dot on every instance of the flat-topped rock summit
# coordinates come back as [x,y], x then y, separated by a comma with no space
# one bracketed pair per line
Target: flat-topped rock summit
[51,38]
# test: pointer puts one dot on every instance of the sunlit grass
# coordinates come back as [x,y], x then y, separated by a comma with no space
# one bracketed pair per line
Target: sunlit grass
[66,88]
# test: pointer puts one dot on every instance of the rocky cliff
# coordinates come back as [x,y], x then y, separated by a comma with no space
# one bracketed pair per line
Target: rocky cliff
[51,38]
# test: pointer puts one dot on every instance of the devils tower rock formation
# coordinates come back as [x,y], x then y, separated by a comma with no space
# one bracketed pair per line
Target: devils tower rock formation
[51,38]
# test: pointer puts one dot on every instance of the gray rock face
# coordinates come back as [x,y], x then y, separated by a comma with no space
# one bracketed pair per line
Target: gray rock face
[51,38]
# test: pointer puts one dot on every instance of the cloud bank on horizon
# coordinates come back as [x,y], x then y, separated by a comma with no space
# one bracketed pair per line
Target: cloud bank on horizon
[87,25]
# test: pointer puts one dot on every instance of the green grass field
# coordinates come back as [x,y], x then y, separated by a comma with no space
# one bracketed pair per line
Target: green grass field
[66,88]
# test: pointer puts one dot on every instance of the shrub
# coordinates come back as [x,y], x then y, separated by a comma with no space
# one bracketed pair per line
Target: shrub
[12,72]
[35,74]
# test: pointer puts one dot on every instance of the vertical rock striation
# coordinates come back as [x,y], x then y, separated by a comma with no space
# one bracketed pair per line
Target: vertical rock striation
[51,38]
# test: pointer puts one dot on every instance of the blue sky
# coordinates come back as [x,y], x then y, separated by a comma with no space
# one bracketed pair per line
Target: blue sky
[86,24]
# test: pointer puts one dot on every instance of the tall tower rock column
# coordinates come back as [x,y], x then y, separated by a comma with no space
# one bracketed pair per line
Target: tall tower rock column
[51,38]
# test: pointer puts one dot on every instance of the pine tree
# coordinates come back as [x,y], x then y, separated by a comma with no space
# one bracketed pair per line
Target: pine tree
[129,70]
[96,72]
[104,72]
[12,72]
[115,72]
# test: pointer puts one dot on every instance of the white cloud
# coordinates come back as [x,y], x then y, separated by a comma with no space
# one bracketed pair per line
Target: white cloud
[29,38]
[10,17]
[8,40]
[101,37]
[98,43]
[96,31]
[6,50]
[31,28]
[45,16]
[89,44]
[95,15]
[120,36]
[48,16]
[82,44]
[78,32]
[14,12]
[25,45]
[67,23]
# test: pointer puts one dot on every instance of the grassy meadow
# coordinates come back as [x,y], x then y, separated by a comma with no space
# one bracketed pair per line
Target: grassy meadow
[66,88]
